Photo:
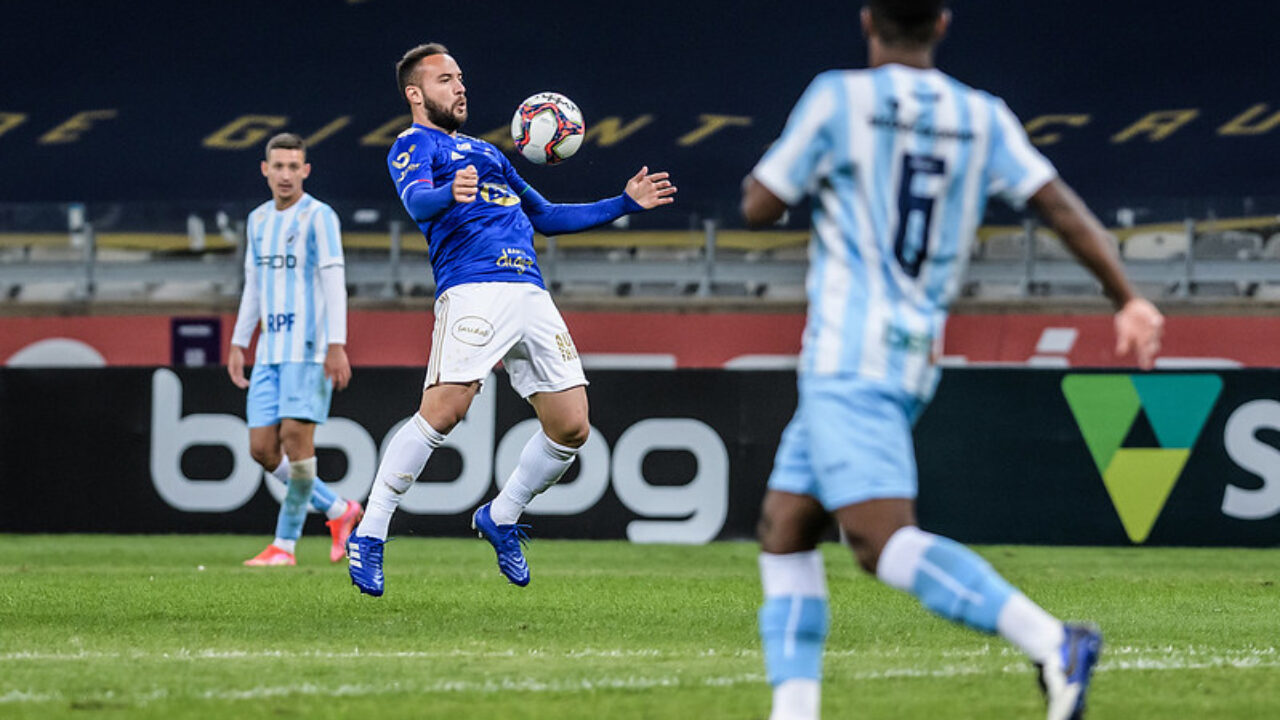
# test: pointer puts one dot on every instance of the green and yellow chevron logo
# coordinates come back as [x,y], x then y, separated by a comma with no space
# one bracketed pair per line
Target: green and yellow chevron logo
[1139,479]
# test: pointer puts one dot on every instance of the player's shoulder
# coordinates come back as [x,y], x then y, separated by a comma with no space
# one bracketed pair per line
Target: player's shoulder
[415,139]
[319,208]
[258,213]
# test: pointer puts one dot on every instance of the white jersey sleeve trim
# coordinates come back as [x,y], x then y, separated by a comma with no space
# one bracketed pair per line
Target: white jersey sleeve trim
[250,309]
[333,283]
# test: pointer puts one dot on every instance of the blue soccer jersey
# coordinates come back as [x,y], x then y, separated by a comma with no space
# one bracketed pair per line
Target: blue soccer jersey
[900,162]
[283,256]
[488,240]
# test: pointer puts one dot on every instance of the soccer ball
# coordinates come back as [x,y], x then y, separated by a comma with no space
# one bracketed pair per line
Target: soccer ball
[547,128]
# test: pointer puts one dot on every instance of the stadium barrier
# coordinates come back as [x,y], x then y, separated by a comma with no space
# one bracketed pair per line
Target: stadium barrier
[1005,456]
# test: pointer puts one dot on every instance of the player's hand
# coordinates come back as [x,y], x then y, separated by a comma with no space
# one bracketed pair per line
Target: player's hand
[336,366]
[465,184]
[235,367]
[1138,328]
[650,191]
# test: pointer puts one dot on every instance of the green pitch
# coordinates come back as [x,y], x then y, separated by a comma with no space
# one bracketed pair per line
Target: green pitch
[131,627]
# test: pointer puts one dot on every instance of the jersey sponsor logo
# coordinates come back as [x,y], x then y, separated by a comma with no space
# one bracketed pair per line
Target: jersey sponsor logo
[277,262]
[455,155]
[890,120]
[498,194]
[279,322]
[472,330]
[514,258]
[897,338]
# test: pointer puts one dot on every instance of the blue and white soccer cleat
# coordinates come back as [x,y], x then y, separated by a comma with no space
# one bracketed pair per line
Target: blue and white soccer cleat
[364,564]
[1064,679]
[506,541]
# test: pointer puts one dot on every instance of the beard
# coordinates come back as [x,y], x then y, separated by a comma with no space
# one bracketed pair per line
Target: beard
[443,117]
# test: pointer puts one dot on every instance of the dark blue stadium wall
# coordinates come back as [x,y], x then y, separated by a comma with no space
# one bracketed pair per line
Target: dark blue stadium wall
[1136,101]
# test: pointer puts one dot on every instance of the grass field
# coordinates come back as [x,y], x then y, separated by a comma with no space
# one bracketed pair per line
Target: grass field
[126,626]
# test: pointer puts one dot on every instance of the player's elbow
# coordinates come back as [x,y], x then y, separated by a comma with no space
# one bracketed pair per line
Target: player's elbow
[759,206]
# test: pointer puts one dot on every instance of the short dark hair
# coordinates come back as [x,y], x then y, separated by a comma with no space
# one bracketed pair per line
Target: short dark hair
[286,141]
[407,68]
[906,22]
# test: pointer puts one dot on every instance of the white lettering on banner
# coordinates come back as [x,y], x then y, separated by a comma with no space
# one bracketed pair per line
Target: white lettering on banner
[1259,458]
[705,499]
[473,439]
[172,434]
[576,496]
[694,512]
[349,438]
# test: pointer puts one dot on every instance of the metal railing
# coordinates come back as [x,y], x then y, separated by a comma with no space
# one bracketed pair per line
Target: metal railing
[1197,258]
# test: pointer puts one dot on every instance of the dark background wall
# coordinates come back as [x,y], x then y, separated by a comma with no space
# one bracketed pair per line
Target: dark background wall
[171,75]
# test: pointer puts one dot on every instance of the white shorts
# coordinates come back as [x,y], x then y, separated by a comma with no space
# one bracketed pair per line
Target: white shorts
[479,324]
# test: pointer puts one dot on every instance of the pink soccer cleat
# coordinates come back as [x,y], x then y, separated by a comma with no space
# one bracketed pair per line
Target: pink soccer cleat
[340,528]
[271,557]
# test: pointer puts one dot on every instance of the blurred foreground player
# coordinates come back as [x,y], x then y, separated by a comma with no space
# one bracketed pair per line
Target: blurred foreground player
[899,160]
[295,288]
[478,216]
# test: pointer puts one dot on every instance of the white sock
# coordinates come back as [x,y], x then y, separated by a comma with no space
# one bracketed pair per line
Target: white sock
[796,699]
[337,509]
[281,472]
[407,454]
[285,545]
[1031,629]
[542,462]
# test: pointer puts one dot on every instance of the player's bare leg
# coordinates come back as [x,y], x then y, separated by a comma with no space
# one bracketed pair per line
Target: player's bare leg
[443,406]
[342,514]
[543,461]
[957,584]
[794,616]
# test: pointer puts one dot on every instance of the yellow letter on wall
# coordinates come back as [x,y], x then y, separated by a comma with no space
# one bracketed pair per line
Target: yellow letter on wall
[386,135]
[611,131]
[245,131]
[712,124]
[1039,123]
[70,130]
[1239,125]
[9,121]
[1157,125]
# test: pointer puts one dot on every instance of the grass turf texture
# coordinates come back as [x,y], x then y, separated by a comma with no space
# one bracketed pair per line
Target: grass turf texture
[112,626]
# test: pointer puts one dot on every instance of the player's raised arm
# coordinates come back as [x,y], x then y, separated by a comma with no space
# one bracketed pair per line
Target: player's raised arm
[644,191]
[650,190]
[1138,323]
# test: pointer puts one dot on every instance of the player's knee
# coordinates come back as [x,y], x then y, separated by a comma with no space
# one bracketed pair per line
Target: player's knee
[572,434]
[788,526]
[866,548]
[268,456]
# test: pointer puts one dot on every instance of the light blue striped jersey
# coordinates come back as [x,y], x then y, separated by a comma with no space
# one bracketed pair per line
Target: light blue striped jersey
[284,254]
[900,162]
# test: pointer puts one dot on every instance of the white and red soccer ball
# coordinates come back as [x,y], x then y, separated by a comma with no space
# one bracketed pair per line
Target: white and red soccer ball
[547,128]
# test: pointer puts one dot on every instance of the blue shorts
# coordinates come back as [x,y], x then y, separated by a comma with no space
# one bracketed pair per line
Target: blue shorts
[849,441]
[298,391]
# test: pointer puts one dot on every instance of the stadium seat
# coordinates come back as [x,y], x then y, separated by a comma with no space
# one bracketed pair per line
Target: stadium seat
[1271,250]
[184,291]
[1159,245]
[48,292]
[1005,247]
[1228,245]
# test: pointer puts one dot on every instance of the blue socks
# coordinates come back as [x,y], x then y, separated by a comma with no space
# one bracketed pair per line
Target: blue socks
[794,617]
[946,577]
[293,511]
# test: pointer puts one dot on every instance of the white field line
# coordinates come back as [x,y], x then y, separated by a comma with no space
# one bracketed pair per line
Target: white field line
[1110,653]
[1119,659]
